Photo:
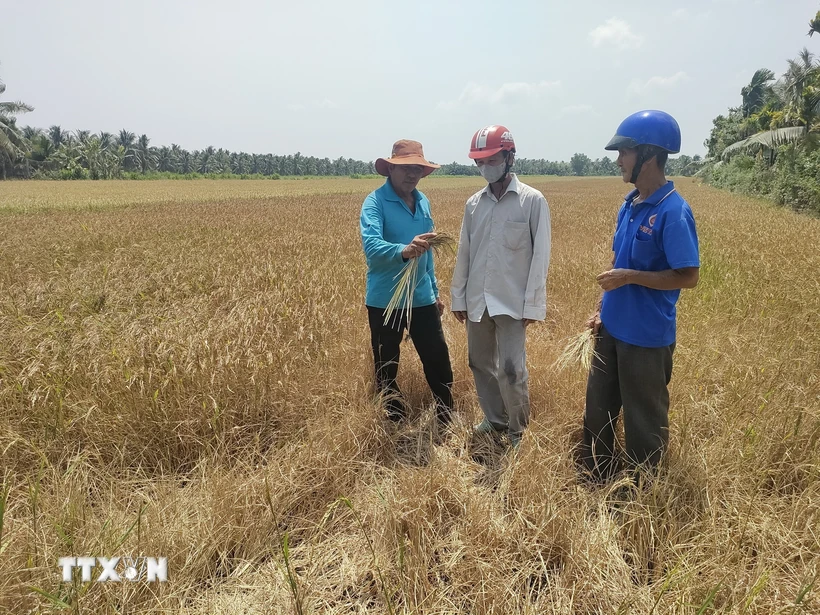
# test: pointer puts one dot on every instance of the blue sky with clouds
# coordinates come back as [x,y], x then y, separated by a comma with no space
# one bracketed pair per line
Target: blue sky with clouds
[331,78]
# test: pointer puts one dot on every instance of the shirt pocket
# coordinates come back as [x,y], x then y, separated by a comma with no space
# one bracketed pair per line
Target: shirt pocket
[644,250]
[516,235]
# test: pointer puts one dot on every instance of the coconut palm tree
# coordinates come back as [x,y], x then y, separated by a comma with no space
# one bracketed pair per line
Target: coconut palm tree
[186,161]
[207,160]
[175,163]
[164,159]
[58,136]
[12,143]
[42,149]
[145,154]
[800,89]
[82,136]
[758,92]
[106,140]
[814,24]
[93,156]
[799,93]
[30,133]
[127,140]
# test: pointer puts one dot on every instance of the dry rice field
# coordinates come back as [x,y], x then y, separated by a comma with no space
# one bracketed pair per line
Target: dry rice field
[185,372]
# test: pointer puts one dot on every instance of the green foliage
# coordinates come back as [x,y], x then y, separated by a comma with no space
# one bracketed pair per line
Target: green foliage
[580,164]
[797,179]
[766,142]
[455,168]
[683,166]
[769,145]
[13,145]
[745,174]
[726,129]
[152,175]
[531,166]
[73,172]
[604,166]
[814,24]
[758,93]
[794,181]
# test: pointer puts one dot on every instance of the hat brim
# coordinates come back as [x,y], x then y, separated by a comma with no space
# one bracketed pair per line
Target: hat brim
[618,142]
[485,153]
[382,164]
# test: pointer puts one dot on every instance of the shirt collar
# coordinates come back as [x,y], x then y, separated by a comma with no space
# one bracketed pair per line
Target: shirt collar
[515,186]
[390,193]
[654,198]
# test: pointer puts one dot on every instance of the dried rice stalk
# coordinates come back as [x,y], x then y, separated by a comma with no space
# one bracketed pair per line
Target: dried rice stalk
[402,299]
[580,350]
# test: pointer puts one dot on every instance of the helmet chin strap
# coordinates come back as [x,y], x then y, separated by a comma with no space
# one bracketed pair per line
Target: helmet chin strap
[639,162]
[507,167]
[645,154]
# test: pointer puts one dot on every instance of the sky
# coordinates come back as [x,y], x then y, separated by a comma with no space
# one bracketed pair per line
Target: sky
[332,78]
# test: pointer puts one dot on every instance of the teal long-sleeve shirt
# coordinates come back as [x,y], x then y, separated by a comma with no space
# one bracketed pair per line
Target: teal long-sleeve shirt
[387,227]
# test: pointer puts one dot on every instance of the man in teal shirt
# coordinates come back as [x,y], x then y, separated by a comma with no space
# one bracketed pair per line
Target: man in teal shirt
[396,225]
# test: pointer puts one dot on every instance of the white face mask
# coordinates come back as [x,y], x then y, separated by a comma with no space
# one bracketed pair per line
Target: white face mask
[492,173]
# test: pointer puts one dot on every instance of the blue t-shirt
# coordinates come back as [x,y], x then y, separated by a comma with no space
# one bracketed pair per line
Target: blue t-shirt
[387,227]
[655,235]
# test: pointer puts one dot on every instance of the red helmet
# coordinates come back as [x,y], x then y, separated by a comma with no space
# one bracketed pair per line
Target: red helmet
[491,140]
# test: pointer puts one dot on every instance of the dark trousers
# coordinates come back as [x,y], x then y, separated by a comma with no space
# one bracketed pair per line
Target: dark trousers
[637,379]
[428,338]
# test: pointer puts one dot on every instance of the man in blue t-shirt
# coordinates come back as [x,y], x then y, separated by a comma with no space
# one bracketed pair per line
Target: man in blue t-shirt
[395,225]
[655,256]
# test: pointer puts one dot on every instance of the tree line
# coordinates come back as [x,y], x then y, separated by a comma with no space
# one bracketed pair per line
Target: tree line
[59,154]
[579,165]
[55,153]
[768,144]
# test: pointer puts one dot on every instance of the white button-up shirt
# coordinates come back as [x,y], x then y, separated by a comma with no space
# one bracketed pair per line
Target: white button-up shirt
[503,254]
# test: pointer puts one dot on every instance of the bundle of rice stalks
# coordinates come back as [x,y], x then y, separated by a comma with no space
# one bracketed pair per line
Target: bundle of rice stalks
[580,350]
[402,299]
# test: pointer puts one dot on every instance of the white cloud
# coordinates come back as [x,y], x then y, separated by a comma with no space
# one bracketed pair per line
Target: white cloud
[507,93]
[615,33]
[680,13]
[639,87]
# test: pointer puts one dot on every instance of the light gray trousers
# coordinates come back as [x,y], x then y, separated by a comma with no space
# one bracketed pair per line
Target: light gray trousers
[497,354]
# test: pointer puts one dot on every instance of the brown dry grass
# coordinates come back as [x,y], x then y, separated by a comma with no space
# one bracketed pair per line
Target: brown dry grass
[194,356]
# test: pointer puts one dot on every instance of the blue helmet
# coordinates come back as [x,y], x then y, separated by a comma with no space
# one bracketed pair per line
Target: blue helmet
[654,128]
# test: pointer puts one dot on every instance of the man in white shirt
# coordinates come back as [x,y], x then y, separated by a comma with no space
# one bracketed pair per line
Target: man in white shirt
[500,281]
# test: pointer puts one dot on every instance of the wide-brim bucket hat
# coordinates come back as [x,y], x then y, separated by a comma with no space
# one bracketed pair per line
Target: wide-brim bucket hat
[406,152]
